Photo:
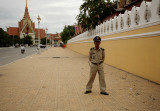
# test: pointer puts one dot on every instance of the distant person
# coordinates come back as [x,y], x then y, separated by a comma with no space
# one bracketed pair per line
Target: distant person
[96,58]
[22,49]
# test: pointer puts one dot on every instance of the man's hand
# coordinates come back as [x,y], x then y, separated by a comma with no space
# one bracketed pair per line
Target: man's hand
[89,63]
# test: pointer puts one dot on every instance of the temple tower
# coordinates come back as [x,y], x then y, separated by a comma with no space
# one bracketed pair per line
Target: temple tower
[26,26]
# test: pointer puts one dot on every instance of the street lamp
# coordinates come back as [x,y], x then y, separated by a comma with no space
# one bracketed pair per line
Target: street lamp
[39,19]
[46,37]
[13,40]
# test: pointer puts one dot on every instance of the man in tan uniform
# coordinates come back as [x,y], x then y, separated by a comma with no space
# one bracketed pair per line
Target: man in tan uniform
[96,57]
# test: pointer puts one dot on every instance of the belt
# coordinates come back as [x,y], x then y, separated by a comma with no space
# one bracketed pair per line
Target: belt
[96,63]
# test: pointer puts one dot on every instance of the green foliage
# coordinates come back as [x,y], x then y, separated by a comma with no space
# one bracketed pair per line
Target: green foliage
[8,40]
[16,39]
[67,33]
[92,12]
[43,41]
[5,39]
[27,40]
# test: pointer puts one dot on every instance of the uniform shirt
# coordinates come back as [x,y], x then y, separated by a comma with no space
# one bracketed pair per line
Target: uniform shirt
[22,48]
[96,56]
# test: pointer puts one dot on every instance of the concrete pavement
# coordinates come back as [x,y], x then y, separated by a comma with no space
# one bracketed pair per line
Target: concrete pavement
[55,80]
[10,54]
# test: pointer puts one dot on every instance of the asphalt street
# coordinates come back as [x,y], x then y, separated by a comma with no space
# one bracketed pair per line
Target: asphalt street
[10,54]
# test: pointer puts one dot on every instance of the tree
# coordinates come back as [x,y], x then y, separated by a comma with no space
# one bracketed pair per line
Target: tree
[16,39]
[5,39]
[67,33]
[92,12]
[27,40]
[43,41]
[71,29]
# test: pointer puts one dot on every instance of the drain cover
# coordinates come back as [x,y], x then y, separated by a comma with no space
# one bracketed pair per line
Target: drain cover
[60,57]
[56,57]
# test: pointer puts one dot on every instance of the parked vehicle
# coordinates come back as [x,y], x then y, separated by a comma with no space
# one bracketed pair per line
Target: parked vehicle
[16,45]
[42,46]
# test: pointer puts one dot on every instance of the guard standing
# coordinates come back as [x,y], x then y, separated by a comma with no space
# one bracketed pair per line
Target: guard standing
[96,58]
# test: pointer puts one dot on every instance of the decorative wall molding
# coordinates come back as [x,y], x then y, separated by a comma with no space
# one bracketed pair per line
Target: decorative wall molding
[139,17]
[143,35]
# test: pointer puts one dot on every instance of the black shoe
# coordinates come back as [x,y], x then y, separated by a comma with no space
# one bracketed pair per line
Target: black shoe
[87,92]
[104,93]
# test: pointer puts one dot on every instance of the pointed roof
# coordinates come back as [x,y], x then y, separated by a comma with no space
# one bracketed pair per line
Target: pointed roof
[26,14]
[29,28]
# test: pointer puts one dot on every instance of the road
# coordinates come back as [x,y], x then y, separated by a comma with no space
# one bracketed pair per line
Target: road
[8,55]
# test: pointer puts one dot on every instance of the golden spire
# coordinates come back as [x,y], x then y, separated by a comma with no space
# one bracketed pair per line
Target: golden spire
[26,14]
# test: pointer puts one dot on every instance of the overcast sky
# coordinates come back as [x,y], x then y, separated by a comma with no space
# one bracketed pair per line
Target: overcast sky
[55,14]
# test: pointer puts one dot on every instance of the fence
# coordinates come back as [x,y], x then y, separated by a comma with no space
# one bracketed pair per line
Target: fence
[146,15]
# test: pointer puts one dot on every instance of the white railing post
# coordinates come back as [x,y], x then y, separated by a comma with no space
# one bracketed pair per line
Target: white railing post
[148,12]
[134,16]
[144,12]
[114,24]
[155,10]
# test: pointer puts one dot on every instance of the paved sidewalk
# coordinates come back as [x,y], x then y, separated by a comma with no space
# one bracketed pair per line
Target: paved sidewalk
[48,83]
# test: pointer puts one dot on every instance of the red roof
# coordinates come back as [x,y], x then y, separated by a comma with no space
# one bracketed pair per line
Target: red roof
[13,31]
[42,33]
[55,36]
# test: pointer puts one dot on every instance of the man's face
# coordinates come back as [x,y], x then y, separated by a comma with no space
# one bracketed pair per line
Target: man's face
[97,44]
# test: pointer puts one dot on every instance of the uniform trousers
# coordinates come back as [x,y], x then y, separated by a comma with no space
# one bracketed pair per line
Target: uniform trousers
[93,70]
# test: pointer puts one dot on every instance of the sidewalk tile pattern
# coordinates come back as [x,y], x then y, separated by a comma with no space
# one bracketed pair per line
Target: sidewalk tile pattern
[55,80]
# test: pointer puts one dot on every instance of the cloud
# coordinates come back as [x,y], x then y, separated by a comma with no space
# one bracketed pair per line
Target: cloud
[55,14]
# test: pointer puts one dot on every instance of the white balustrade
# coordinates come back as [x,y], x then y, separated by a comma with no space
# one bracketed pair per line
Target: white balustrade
[147,14]
[127,19]
[115,24]
[110,25]
[100,29]
[103,28]
[107,25]
[134,16]
[120,22]
[155,10]
[96,30]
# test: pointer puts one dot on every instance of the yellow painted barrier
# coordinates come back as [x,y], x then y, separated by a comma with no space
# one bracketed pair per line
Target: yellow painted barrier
[139,56]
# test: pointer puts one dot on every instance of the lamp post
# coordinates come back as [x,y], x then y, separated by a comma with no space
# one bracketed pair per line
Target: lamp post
[39,19]
[50,41]
[46,37]
[13,40]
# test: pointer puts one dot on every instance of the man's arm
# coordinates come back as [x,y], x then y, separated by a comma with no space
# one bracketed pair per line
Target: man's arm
[90,55]
[103,55]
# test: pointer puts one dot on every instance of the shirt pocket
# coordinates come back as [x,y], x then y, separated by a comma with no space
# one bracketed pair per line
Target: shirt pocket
[93,55]
[100,56]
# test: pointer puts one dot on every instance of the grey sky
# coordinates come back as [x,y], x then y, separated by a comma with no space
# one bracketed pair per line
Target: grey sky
[54,13]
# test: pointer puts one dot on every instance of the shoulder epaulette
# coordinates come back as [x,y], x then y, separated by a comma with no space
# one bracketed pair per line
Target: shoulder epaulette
[102,49]
[92,48]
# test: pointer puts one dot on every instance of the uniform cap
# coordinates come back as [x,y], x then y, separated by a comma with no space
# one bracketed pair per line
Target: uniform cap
[97,39]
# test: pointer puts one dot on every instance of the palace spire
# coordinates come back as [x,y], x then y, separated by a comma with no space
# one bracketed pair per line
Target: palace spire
[26,14]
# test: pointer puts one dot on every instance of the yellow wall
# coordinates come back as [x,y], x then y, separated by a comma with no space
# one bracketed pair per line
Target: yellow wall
[140,56]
